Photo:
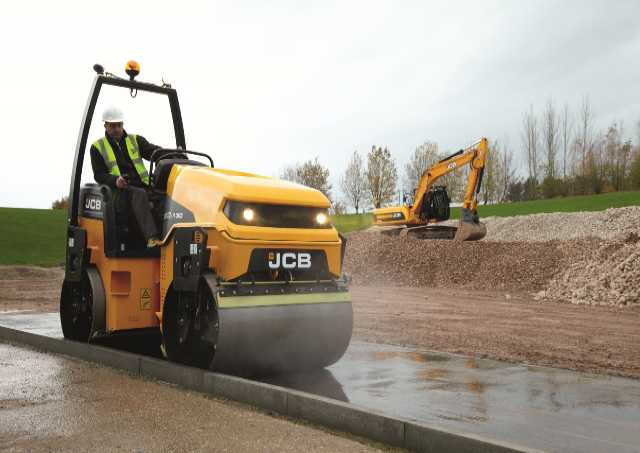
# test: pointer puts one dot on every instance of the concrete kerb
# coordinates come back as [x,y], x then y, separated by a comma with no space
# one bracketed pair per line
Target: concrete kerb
[292,403]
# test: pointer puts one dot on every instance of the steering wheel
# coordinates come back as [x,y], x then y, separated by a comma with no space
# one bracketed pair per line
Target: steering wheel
[167,153]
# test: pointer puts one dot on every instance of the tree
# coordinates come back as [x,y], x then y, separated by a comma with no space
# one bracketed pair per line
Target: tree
[491,175]
[507,174]
[530,144]
[354,181]
[311,173]
[550,133]
[62,203]
[585,134]
[382,176]
[422,158]
[566,129]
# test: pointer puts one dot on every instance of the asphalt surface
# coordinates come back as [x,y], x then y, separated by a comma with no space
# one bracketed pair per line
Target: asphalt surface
[51,403]
[544,408]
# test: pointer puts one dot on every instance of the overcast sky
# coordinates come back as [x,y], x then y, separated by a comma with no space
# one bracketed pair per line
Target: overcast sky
[267,84]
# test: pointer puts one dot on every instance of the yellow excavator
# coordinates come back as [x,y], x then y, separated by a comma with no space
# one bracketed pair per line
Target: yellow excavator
[431,203]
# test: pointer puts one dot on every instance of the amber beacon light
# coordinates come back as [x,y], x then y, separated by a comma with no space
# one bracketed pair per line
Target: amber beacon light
[132,68]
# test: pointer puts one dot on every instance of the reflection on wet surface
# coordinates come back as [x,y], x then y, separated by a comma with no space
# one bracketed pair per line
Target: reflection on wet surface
[544,408]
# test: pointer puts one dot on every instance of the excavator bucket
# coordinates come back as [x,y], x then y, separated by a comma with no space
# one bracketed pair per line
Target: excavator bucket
[470,231]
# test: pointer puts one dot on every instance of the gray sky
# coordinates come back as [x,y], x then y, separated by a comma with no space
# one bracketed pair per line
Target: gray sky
[263,86]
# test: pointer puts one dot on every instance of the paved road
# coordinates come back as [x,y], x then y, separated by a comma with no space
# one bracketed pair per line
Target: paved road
[50,403]
[543,408]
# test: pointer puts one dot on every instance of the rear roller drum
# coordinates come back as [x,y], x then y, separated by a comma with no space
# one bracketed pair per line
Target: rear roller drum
[82,306]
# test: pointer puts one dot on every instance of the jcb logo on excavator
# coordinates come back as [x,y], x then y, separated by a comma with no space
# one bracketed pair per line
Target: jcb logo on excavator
[289,260]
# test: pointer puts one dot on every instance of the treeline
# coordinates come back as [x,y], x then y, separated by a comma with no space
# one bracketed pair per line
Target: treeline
[561,154]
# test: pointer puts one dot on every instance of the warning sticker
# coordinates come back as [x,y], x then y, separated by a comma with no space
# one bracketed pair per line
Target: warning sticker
[145,299]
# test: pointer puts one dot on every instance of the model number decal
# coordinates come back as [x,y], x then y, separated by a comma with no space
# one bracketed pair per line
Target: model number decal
[452,165]
[289,260]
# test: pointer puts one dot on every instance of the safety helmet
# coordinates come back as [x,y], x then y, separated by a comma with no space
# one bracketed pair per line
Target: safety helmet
[112,115]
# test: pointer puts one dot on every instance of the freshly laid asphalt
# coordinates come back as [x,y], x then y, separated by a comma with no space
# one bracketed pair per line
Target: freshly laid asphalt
[535,407]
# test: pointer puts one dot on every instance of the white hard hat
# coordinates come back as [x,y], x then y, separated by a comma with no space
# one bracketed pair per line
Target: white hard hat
[112,115]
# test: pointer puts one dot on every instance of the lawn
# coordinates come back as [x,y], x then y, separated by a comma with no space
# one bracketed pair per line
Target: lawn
[32,236]
[37,236]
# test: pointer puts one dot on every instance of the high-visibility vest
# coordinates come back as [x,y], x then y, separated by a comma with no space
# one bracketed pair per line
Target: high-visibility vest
[106,151]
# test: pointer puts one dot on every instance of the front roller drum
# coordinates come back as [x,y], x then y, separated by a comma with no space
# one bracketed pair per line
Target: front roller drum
[268,334]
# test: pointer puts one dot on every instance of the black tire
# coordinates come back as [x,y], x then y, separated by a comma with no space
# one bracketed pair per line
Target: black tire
[182,335]
[76,309]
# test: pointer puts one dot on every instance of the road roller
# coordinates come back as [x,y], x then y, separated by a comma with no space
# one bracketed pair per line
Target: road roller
[247,278]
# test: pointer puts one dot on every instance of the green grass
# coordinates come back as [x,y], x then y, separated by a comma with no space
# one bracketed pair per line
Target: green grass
[352,222]
[32,236]
[37,236]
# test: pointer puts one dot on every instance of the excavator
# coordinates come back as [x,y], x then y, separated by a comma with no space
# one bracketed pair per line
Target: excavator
[431,203]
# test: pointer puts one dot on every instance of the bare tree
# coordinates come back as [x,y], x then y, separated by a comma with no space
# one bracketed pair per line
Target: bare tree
[382,176]
[585,133]
[354,182]
[492,174]
[311,173]
[422,158]
[530,142]
[507,171]
[550,132]
[566,130]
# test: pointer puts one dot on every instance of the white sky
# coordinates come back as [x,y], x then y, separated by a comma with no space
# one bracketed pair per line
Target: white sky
[266,84]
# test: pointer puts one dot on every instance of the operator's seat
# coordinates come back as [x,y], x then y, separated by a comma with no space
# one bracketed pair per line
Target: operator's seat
[163,170]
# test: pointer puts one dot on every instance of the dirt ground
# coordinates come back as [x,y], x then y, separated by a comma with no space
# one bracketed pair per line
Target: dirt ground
[496,324]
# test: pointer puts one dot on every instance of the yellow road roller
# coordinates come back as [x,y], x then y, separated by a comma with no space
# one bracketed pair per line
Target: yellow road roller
[247,278]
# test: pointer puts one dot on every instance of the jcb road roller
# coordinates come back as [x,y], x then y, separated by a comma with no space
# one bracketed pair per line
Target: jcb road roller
[247,278]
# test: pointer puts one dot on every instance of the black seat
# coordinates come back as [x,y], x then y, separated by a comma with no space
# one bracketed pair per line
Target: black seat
[163,169]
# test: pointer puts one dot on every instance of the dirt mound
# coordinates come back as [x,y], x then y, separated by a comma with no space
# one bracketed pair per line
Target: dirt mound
[614,223]
[609,276]
[375,259]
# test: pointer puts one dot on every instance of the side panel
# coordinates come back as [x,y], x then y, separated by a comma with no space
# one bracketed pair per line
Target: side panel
[132,285]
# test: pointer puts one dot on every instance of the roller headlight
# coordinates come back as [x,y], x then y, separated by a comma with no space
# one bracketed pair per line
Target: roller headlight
[248,214]
[276,216]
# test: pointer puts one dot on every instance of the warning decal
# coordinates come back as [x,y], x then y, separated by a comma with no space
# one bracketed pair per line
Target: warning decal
[145,299]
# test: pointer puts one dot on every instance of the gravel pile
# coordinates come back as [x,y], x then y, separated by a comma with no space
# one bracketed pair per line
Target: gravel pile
[374,259]
[614,223]
[583,257]
[609,276]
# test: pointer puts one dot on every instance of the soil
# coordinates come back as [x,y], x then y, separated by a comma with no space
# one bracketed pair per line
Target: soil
[505,325]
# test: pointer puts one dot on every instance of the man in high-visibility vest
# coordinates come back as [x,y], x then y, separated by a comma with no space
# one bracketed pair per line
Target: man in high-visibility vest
[116,160]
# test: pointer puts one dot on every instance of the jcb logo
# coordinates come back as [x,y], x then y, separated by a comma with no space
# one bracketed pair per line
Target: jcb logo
[289,260]
[93,204]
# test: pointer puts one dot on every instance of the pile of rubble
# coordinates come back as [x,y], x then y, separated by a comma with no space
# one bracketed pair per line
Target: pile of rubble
[614,223]
[608,276]
[584,257]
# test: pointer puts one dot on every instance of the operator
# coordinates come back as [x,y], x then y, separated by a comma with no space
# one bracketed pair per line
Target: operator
[116,160]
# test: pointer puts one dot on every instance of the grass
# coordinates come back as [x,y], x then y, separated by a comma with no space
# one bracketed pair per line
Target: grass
[37,236]
[32,236]
[352,222]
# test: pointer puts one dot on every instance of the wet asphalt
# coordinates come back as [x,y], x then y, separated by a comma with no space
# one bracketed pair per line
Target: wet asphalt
[538,407]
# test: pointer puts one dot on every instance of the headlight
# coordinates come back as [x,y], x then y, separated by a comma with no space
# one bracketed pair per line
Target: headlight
[276,216]
[248,214]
